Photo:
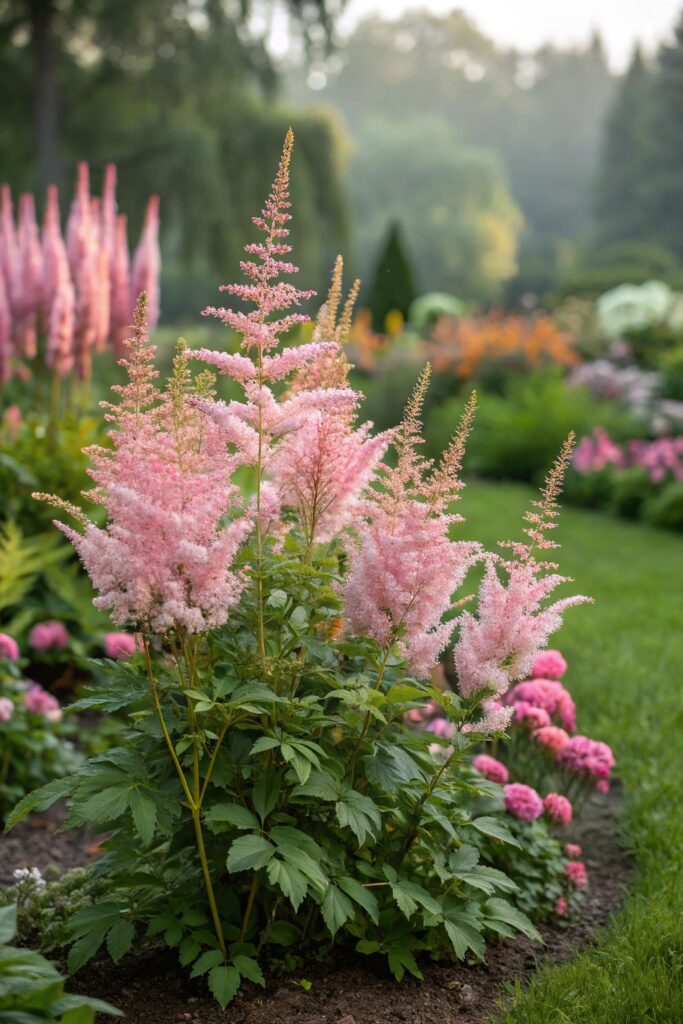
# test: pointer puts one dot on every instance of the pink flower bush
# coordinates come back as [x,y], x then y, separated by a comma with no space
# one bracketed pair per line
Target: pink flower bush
[573,850]
[80,293]
[6,709]
[549,665]
[558,808]
[552,737]
[39,702]
[522,801]
[499,644]
[549,695]
[577,874]
[530,716]
[662,458]
[9,648]
[442,727]
[561,906]
[49,636]
[587,758]
[490,768]
[119,645]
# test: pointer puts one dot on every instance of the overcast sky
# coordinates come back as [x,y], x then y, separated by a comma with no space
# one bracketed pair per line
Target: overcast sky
[527,24]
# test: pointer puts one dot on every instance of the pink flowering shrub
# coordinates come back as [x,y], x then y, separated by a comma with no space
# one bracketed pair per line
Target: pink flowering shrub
[49,636]
[558,808]
[119,645]
[34,744]
[490,768]
[548,665]
[286,740]
[9,648]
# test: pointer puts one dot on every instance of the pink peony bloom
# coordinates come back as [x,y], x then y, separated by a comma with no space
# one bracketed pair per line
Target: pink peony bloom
[6,709]
[119,645]
[39,702]
[558,808]
[490,768]
[577,874]
[549,665]
[530,716]
[552,737]
[573,850]
[8,647]
[586,757]
[549,695]
[522,801]
[49,636]
[602,786]
[561,906]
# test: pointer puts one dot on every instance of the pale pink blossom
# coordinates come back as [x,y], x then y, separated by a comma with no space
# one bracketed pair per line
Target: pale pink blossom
[5,332]
[121,302]
[552,737]
[6,709]
[442,728]
[39,702]
[499,644]
[147,262]
[558,808]
[9,648]
[522,801]
[549,665]
[495,718]
[49,636]
[490,768]
[29,280]
[119,645]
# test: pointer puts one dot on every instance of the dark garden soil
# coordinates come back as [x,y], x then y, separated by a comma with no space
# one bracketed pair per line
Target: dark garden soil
[152,989]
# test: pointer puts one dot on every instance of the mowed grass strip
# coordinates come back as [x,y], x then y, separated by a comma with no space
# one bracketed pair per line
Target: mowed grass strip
[625,656]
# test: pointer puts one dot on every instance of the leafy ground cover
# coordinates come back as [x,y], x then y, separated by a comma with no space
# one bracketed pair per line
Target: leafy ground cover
[626,654]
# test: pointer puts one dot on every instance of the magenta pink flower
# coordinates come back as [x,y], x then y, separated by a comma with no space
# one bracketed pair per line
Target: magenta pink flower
[8,647]
[522,801]
[558,808]
[549,665]
[561,906]
[500,643]
[573,850]
[529,716]
[6,709]
[552,737]
[39,702]
[441,727]
[587,758]
[577,874]
[490,768]
[49,636]
[549,695]
[602,786]
[119,645]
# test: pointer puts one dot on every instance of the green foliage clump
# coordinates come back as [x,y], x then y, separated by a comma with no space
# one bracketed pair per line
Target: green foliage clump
[518,431]
[32,990]
[45,905]
[666,507]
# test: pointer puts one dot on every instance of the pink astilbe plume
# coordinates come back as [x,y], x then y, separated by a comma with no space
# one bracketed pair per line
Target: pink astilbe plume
[512,624]
[120,295]
[29,282]
[147,262]
[165,557]
[58,297]
[5,332]
[403,567]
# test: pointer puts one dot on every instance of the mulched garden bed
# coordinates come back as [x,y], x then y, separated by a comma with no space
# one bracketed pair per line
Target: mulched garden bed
[152,989]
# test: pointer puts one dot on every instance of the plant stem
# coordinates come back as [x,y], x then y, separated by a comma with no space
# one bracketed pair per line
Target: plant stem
[194,802]
[366,722]
[250,904]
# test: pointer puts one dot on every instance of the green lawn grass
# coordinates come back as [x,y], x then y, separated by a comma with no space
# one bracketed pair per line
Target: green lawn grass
[625,656]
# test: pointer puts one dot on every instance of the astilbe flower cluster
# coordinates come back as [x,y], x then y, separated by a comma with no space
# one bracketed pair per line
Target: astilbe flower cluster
[164,558]
[77,293]
[403,566]
[498,645]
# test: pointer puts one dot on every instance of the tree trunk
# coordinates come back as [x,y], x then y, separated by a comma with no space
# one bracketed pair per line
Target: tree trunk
[47,97]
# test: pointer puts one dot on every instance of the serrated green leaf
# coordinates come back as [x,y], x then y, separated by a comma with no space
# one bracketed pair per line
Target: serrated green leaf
[359,894]
[501,910]
[265,794]
[144,811]
[120,939]
[289,879]
[264,743]
[39,800]
[223,984]
[249,968]
[249,852]
[493,827]
[232,814]
[336,908]
[206,961]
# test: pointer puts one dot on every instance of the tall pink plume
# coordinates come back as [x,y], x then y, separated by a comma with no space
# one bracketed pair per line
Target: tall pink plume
[5,332]
[28,295]
[121,295]
[147,262]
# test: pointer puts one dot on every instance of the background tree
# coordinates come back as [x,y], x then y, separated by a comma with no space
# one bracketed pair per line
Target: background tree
[393,285]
